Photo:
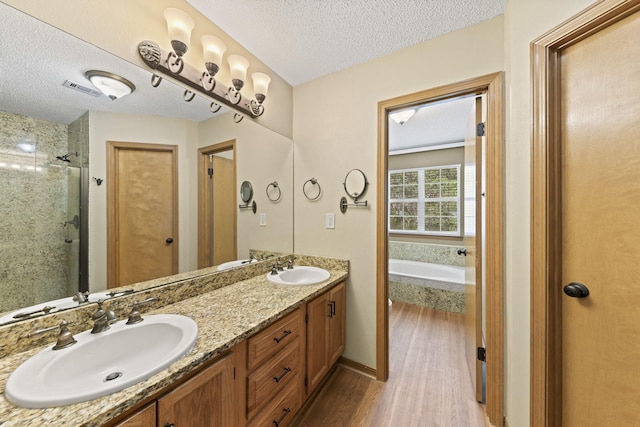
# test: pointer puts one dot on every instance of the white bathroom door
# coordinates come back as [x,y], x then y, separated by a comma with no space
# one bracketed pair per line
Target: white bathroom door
[472,227]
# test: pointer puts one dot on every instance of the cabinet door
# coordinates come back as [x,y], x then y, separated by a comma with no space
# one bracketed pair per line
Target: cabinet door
[337,300]
[203,401]
[145,417]
[318,311]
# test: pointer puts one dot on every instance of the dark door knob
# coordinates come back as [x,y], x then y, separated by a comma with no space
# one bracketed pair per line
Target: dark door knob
[576,290]
[462,251]
[169,240]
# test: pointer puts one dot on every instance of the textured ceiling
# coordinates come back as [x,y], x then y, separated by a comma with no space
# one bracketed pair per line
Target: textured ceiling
[305,39]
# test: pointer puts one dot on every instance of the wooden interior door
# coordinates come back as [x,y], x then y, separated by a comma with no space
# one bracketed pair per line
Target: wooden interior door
[224,210]
[473,246]
[600,201]
[142,211]
[217,210]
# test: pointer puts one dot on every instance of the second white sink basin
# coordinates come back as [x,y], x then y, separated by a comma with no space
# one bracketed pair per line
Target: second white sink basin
[101,364]
[236,263]
[299,275]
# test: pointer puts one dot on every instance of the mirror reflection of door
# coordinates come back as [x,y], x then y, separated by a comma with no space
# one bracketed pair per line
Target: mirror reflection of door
[216,204]
[142,218]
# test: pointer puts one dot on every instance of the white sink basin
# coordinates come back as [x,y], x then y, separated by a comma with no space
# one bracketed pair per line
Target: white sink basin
[59,304]
[101,364]
[236,263]
[300,275]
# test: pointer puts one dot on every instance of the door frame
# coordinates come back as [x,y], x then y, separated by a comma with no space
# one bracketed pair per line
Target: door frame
[546,301]
[204,226]
[112,202]
[492,85]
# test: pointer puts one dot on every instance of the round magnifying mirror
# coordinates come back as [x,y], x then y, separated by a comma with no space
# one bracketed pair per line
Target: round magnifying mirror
[246,191]
[355,183]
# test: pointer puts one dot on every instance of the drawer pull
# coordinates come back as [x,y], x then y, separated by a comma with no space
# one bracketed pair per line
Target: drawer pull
[284,335]
[286,412]
[332,308]
[285,372]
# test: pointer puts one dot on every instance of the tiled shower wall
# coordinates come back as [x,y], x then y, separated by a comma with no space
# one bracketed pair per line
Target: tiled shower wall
[426,252]
[34,186]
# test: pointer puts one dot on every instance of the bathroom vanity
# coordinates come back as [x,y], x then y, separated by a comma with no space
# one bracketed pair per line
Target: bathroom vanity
[262,349]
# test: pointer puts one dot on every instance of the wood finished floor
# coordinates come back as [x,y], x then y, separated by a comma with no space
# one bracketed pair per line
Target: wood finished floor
[429,383]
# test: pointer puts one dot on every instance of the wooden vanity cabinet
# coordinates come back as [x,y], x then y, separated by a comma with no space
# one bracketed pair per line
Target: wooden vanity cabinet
[202,401]
[261,381]
[208,399]
[326,316]
[145,417]
[275,372]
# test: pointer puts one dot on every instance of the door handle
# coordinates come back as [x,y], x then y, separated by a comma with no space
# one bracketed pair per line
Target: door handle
[462,251]
[576,290]
[169,240]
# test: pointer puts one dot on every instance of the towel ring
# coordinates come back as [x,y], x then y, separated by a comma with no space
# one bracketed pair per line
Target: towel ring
[313,182]
[275,186]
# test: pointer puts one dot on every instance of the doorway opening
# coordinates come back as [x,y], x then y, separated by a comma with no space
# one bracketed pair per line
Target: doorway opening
[391,217]
[436,229]
[217,204]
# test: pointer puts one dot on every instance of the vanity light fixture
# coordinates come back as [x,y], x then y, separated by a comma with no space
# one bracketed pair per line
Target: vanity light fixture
[401,117]
[179,26]
[112,85]
[172,64]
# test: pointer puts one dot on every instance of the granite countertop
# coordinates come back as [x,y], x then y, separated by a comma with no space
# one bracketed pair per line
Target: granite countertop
[225,317]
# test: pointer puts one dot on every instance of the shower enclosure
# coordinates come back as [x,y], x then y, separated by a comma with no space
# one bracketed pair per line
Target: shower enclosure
[44,210]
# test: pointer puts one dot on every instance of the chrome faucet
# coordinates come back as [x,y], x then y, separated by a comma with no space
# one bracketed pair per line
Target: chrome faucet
[278,266]
[100,319]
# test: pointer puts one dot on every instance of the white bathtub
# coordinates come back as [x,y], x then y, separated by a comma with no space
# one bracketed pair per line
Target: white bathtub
[438,276]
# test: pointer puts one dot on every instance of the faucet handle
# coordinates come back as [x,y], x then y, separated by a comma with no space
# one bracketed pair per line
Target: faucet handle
[274,269]
[65,338]
[290,263]
[134,315]
[81,297]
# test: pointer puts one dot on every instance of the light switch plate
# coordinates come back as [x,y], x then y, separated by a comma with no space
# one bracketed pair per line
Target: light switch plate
[330,221]
[263,220]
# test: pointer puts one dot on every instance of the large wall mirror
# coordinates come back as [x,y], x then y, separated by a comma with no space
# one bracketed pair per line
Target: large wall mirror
[54,171]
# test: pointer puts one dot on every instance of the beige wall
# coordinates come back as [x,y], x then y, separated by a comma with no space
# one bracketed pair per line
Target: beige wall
[105,127]
[117,26]
[525,20]
[262,157]
[335,123]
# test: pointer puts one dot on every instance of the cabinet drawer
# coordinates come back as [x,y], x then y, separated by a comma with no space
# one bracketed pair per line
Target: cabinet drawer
[273,376]
[281,410]
[275,337]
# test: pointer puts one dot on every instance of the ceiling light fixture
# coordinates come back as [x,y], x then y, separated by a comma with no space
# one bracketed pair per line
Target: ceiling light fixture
[112,85]
[27,146]
[172,64]
[401,117]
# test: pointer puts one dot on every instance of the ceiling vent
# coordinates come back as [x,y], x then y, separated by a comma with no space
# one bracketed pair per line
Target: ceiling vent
[82,89]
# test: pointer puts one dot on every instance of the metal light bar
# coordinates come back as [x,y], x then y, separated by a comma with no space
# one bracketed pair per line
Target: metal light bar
[159,59]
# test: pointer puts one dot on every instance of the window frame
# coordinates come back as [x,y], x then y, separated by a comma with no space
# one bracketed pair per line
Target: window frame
[421,199]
